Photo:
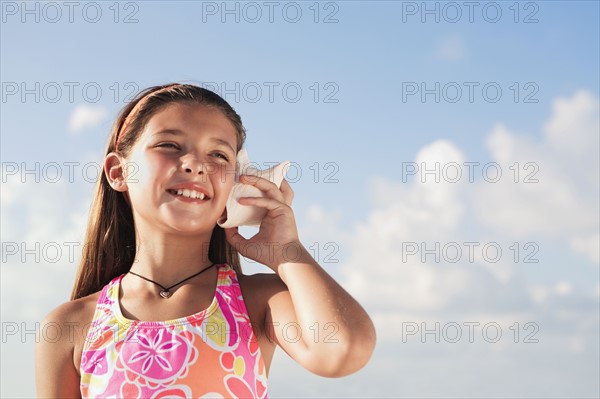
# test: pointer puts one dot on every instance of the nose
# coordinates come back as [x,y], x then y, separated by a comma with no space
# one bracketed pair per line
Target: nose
[192,165]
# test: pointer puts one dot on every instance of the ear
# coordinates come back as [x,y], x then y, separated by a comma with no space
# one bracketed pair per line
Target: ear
[114,166]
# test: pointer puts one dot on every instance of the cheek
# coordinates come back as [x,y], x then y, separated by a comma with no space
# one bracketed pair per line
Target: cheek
[136,171]
[224,180]
[144,169]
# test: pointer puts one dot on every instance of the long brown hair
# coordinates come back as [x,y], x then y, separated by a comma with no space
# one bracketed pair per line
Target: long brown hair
[110,245]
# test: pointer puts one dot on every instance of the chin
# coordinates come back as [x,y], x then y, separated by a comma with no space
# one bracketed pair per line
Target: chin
[190,226]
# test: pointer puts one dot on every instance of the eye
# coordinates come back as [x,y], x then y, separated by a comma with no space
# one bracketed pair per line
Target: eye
[221,155]
[168,145]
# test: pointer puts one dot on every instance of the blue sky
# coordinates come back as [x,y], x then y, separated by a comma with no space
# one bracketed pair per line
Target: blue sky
[360,132]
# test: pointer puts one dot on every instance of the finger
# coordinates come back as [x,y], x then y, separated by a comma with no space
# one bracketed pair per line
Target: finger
[288,193]
[266,186]
[262,202]
[235,238]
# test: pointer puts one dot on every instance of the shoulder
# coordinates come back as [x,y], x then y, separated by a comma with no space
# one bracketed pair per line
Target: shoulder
[261,286]
[73,311]
[69,319]
[74,308]
[58,347]
[262,292]
[259,291]
[64,329]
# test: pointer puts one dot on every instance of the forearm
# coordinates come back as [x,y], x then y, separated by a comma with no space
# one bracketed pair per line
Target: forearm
[334,326]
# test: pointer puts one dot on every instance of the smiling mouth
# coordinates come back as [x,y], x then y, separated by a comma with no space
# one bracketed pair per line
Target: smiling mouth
[192,194]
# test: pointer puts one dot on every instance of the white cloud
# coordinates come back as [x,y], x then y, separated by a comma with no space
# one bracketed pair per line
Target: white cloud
[588,246]
[451,48]
[408,215]
[86,117]
[539,293]
[573,127]
[562,201]
[563,288]
[539,301]
[43,225]
[432,212]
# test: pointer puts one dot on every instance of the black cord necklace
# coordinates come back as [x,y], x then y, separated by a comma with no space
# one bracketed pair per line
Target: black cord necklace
[166,291]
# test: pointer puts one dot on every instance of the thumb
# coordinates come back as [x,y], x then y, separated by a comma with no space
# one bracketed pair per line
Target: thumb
[235,238]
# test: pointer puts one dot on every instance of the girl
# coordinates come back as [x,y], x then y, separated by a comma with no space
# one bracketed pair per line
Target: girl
[160,307]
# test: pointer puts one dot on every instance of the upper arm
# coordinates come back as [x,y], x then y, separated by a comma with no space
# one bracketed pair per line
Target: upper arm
[282,328]
[280,318]
[337,342]
[55,372]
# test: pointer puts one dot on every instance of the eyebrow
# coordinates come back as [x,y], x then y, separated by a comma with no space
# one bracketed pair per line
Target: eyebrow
[174,132]
[177,132]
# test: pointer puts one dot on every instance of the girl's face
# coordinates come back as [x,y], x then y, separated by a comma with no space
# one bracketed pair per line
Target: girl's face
[182,168]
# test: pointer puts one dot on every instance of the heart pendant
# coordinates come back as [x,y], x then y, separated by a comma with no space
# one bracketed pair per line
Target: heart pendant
[166,294]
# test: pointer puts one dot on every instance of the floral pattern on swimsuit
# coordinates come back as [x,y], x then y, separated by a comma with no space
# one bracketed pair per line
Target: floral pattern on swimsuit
[211,354]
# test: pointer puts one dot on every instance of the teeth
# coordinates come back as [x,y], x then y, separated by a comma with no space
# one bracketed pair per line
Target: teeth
[191,194]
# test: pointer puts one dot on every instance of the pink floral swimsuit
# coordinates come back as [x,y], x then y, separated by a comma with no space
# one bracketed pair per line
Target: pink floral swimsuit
[213,353]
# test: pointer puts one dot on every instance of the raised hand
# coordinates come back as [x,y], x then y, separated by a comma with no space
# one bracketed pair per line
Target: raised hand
[277,239]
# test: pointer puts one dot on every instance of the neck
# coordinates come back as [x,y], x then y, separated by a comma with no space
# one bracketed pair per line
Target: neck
[168,258]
